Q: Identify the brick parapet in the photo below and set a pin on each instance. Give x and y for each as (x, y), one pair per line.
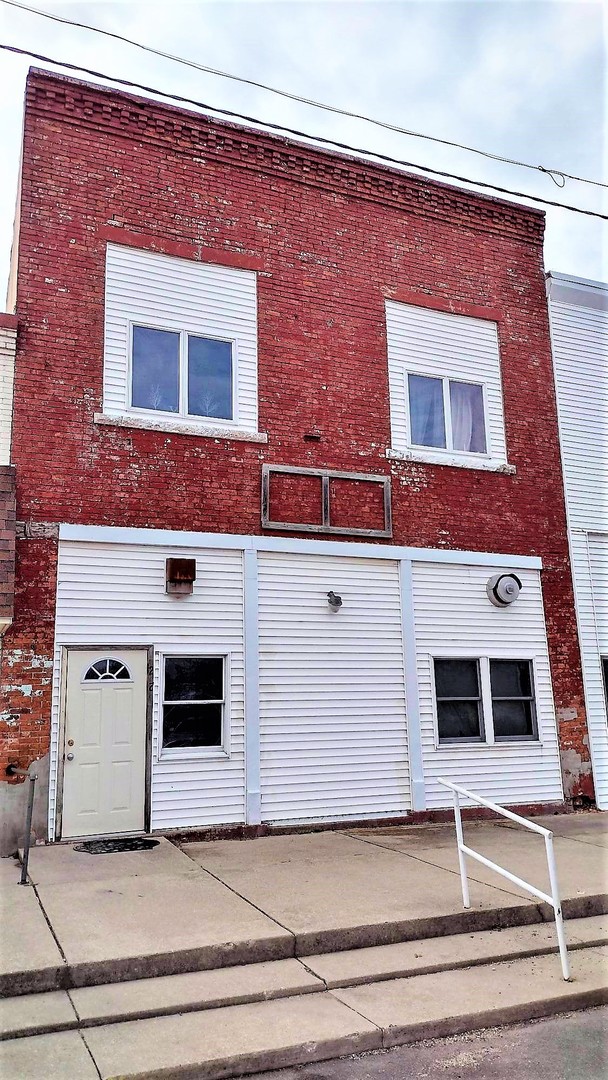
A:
(170, 128)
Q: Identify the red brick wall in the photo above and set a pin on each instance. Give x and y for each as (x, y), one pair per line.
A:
(331, 239)
(7, 541)
(27, 656)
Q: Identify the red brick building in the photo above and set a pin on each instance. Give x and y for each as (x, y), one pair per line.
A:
(199, 307)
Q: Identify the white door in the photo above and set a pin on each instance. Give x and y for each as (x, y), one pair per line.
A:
(105, 743)
(333, 737)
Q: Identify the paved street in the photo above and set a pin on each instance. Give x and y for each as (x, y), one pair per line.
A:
(570, 1047)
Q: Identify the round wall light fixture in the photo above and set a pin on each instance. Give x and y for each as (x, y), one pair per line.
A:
(503, 589)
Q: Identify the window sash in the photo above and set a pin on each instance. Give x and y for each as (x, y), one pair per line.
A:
(220, 748)
(183, 377)
(531, 698)
(448, 424)
(486, 699)
(453, 699)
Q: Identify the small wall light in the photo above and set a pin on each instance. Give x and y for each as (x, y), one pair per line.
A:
(180, 576)
(334, 601)
(503, 589)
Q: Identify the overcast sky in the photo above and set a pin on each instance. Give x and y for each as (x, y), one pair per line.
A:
(525, 79)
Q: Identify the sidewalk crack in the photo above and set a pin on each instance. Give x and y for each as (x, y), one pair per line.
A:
(90, 1053)
(311, 972)
(50, 926)
(246, 900)
(361, 1015)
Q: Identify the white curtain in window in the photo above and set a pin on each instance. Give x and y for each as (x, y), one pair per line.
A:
(466, 401)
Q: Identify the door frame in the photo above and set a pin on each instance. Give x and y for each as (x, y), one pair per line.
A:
(63, 701)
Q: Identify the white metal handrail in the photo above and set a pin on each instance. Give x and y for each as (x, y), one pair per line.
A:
(463, 850)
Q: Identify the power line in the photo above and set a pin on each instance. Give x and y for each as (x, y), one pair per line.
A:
(299, 134)
(556, 175)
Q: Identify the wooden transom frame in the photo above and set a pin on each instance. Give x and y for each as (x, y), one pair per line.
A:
(325, 476)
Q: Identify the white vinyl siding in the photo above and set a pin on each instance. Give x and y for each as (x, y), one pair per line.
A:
(455, 619)
(167, 293)
(579, 331)
(332, 694)
(440, 345)
(580, 349)
(328, 735)
(111, 594)
(8, 345)
(592, 603)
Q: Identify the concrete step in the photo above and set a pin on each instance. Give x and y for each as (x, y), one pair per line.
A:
(37, 1014)
(233, 1040)
(227, 931)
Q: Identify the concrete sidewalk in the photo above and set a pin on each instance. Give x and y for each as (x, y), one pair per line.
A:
(231, 957)
(88, 919)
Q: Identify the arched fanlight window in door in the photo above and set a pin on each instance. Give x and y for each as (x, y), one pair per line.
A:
(107, 669)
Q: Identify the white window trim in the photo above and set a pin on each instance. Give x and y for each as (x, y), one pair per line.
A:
(183, 414)
(448, 450)
(108, 655)
(153, 421)
(488, 740)
(174, 753)
(217, 302)
(435, 456)
(401, 364)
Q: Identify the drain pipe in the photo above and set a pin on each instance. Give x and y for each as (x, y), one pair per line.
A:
(12, 770)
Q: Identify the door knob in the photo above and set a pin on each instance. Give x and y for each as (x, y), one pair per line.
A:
(69, 757)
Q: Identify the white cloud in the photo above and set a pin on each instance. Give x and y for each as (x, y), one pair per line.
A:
(523, 78)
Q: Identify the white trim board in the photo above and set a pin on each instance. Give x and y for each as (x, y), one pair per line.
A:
(109, 534)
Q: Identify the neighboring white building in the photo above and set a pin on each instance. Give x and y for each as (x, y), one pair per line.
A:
(579, 328)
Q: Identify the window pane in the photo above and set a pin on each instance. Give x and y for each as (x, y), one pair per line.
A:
(456, 678)
(512, 719)
(155, 376)
(458, 719)
(510, 678)
(426, 411)
(194, 678)
(466, 404)
(210, 378)
(192, 725)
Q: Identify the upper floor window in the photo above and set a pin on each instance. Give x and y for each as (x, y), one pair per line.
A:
(181, 373)
(180, 343)
(445, 388)
(446, 413)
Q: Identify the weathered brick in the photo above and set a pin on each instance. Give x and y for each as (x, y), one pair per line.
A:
(330, 238)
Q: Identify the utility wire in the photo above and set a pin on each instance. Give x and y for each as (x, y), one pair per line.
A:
(293, 131)
(558, 176)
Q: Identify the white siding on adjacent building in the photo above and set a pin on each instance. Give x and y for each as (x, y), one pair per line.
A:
(332, 695)
(454, 618)
(110, 594)
(179, 294)
(8, 344)
(598, 557)
(579, 331)
(580, 348)
(426, 342)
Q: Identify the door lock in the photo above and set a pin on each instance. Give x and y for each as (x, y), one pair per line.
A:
(69, 757)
